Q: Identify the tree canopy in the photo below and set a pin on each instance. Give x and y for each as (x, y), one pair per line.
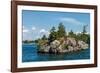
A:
(57, 33)
(52, 35)
(61, 30)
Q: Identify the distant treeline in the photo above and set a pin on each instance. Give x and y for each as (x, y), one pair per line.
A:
(27, 41)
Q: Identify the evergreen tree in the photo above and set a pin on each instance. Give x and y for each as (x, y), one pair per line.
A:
(52, 35)
(84, 29)
(71, 34)
(44, 37)
(61, 30)
(85, 37)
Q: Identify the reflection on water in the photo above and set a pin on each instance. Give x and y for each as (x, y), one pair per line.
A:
(29, 54)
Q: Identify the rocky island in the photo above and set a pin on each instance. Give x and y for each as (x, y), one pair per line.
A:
(59, 41)
(68, 45)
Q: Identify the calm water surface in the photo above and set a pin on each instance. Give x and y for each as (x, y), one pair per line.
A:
(29, 54)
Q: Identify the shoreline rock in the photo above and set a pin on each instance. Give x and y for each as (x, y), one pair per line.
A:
(68, 45)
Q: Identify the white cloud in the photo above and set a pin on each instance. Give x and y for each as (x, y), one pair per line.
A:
(44, 31)
(77, 32)
(72, 21)
(25, 30)
(33, 28)
(80, 33)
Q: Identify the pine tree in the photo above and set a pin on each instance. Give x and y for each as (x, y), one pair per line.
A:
(85, 37)
(61, 30)
(71, 34)
(52, 35)
(84, 29)
(44, 37)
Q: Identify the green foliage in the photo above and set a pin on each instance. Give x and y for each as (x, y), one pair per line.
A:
(44, 37)
(61, 30)
(88, 39)
(71, 34)
(61, 33)
(84, 29)
(36, 41)
(81, 36)
(41, 42)
(52, 30)
(27, 41)
(52, 35)
(85, 38)
(57, 34)
(65, 46)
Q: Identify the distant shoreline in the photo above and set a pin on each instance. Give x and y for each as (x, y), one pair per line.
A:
(29, 43)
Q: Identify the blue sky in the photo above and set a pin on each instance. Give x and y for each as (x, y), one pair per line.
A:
(38, 23)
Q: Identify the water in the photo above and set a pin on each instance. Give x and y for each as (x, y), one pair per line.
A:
(29, 54)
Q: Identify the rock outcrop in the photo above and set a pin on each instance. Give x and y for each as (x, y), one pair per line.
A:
(68, 45)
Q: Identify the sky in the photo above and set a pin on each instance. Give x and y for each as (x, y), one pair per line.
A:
(37, 23)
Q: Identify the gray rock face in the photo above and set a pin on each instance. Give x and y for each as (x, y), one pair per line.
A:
(68, 45)
(71, 41)
(55, 44)
(82, 44)
(44, 49)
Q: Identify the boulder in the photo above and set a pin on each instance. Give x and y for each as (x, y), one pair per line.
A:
(54, 44)
(44, 49)
(82, 45)
(71, 41)
(57, 47)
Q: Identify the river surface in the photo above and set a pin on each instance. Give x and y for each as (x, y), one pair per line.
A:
(29, 54)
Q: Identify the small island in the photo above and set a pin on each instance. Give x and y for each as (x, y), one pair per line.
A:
(59, 41)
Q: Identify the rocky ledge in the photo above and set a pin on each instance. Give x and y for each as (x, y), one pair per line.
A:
(63, 46)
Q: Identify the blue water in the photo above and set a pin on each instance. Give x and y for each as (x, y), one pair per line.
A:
(29, 54)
